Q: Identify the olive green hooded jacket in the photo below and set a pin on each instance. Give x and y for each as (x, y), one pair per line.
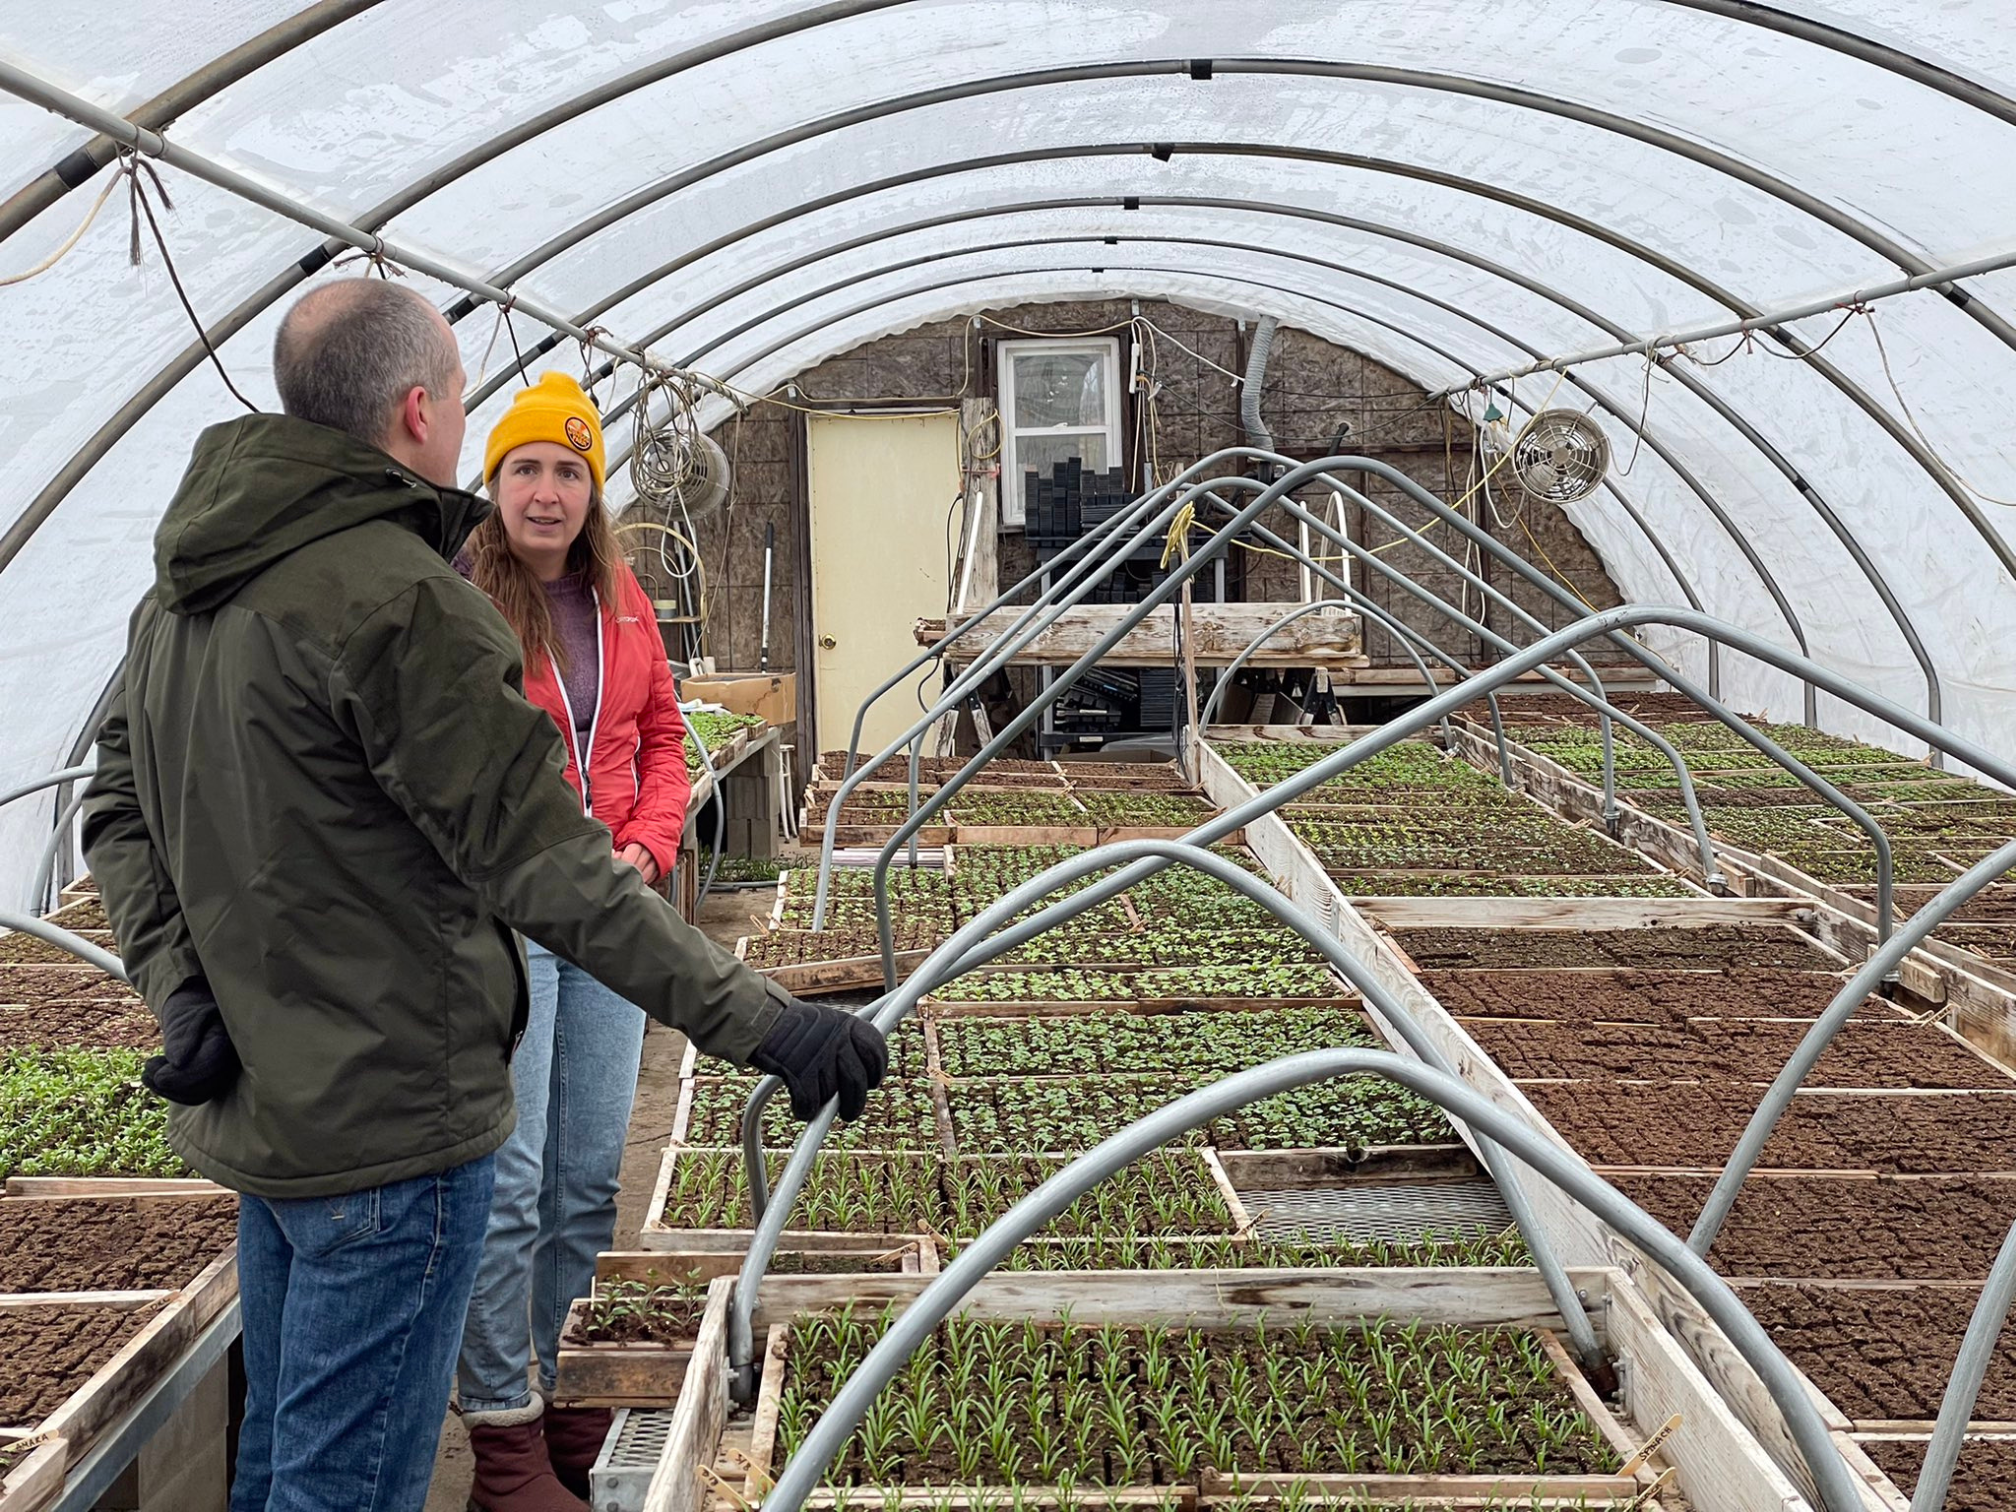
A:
(322, 790)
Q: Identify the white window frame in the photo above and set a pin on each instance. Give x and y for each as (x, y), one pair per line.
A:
(1107, 349)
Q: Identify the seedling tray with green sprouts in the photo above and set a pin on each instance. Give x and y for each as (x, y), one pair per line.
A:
(627, 1344)
(1107, 1042)
(1011, 991)
(903, 1114)
(1473, 884)
(704, 1193)
(1293, 1389)
(1072, 1114)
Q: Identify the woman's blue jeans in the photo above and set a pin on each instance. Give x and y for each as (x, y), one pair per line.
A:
(554, 1210)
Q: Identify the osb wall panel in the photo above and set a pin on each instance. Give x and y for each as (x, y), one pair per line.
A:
(1317, 398)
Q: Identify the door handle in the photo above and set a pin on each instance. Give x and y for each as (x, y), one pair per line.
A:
(827, 643)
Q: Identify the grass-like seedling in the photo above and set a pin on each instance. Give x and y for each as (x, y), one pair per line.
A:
(1073, 1114)
(1011, 1405)
(1477, 1248)
(636, 1312)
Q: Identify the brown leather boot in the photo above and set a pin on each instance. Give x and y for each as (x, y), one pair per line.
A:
(513, 1470)
(574, 1438)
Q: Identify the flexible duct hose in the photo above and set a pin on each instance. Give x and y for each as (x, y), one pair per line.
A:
(1249, 390)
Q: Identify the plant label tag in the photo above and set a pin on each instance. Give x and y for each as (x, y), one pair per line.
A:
(1651, 1447)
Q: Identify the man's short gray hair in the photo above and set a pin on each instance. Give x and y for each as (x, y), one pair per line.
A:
(347, 353)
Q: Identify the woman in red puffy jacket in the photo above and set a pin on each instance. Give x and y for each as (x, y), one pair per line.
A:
(594, 661)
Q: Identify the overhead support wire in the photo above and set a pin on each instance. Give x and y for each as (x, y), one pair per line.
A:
(376, 248)
(1674, 342)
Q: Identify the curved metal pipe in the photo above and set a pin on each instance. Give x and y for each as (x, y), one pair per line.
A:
(1970, 1369)
(63, 939)
(1069, 589)
(45, 864)
(971, 944)
(1881, 963)
(38, 784)
(1824, 1462)
(1711, 874)
(1689, 380)
(1681, 683)
(1246, 653)
(1620, 412)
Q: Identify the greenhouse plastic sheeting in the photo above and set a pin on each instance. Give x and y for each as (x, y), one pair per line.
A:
(1446, 185)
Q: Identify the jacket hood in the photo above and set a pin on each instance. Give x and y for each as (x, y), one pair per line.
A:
(263, 486)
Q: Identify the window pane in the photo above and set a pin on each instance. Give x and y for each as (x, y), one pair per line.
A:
(1045, 452)
(1062, 388)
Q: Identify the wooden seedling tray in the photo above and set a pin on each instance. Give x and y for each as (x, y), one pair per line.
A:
(914, 1257)
(844, 974)
(657, 1235)
(617, 1375)
(37, 1477)
(1201, 1299)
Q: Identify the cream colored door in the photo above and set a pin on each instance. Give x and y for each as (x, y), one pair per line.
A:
(880, 492)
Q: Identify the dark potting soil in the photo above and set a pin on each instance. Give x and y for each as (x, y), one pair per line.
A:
(1883, 1353)
(110, 1243)
(798, 947)
(1617, 1123)
(1983, 1481)
(1995, 941)
(84, 1023)
(1716, 946)
(27, 947)
(1994, 904)
(51, 1351)
(33, 983)
(1929, 1228)
(86, 913)
(1528, 709)
(1665, 998)
(1885, 1052)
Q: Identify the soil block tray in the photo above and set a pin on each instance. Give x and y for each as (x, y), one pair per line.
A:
(1925, 1228)
(1713, 947)
(77, 1023)
(113, 1243)
(1983, 1481)
(1037, 989)
(52, 1351)
(1883, 1351)
(1890, 1053)
(840, 1257)
(1697, 1125)
(1663, 999)
(1250, 1390)
(32, 948)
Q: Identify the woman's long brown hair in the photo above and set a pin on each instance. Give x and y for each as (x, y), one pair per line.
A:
(518, 593)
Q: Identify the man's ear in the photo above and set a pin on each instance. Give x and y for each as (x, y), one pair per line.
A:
(416, 417)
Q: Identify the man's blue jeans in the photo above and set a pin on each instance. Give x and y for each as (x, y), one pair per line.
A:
(574, 1076)
(353, 1310)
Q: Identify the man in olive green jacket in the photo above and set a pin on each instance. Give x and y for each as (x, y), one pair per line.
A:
(322, 808)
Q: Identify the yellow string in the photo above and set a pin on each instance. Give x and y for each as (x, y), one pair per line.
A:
(1178, 540)
(1566, 581)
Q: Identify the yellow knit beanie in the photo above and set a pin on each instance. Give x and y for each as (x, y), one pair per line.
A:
(554, 409)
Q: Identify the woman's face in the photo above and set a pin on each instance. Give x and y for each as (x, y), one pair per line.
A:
(544, 493)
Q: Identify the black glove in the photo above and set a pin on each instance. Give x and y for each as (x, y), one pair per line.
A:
(201, 1062)
(821, 1052)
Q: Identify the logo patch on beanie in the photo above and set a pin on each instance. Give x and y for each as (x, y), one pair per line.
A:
(578, 435)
